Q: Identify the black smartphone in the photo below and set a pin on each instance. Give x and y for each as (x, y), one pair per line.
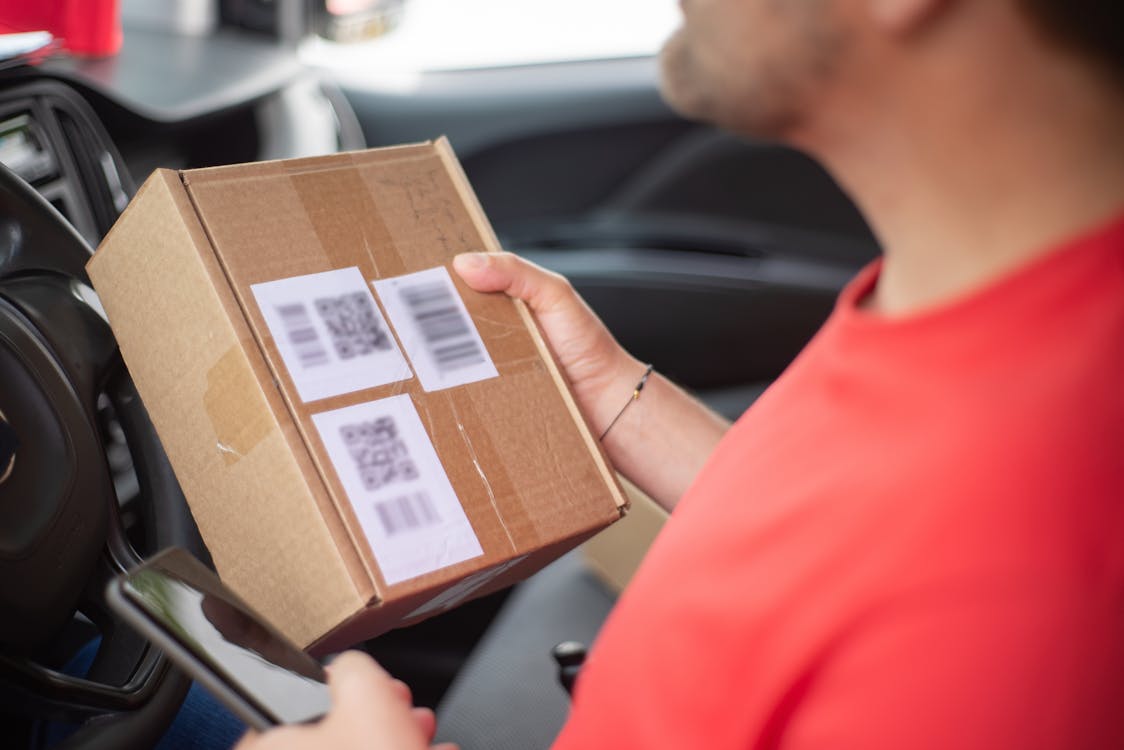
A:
(183, 608)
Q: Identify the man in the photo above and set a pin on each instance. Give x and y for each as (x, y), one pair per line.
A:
(916, 537)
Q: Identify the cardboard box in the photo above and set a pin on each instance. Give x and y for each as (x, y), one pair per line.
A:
(615, 555)
(362, 447)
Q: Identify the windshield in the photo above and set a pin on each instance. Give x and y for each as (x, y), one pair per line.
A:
(454, 34)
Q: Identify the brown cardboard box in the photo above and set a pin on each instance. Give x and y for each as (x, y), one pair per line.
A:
(361, 447)
(615, 555)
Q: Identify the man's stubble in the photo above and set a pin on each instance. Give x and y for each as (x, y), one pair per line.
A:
(754, 67)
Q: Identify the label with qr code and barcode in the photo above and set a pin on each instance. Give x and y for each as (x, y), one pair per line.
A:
(435, 329)
(397, 486)
(330, 333)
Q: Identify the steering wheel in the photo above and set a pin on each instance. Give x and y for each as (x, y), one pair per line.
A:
(63, 530)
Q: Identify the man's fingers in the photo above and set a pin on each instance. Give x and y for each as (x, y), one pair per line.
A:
(288, 737)
(250, 740)
(367, 700)
(481, 272)
(504, 272)
(353, 676)
(403, 691)
(426, 721)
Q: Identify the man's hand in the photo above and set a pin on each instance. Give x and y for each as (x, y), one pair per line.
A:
(600, 372)
(370, 710)
(662, 441)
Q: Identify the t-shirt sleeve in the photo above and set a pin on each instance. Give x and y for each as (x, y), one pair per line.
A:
(998, 667)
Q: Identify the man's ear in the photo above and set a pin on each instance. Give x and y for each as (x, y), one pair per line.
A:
(903, 16)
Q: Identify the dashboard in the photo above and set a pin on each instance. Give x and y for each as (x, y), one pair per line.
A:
(85, 132)
(51, 139)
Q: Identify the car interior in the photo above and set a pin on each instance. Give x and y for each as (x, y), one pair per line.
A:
(712, 257)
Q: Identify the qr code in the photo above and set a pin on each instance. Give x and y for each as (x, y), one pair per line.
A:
(407, 513)
(353, 325)
(446, 329)
(380, 455)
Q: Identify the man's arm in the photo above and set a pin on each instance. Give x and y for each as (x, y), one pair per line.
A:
(662, 440)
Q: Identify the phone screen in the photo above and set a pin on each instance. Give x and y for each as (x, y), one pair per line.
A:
(196, 610)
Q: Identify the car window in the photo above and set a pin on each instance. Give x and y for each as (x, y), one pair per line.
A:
(455, 34)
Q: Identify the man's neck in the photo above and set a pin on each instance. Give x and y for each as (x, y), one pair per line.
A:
(966, 190)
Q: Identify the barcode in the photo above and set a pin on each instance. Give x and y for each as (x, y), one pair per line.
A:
(407, 513)
(404, 502)
(303, 336)
(352, 324)
(445, 330)
(380, 455)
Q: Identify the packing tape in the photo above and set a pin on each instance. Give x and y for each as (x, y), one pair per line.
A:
(490, 467)
(394, 228)
(340, 240)
(237, 431)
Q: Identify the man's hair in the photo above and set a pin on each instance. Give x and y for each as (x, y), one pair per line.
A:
(1092, 28)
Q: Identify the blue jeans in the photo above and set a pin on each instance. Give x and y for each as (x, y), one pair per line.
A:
(201, 724)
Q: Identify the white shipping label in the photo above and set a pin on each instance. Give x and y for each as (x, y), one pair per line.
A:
(435, 329)
(330, 333)
(397, 486)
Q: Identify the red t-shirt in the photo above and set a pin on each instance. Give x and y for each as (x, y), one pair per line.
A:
(914, 539)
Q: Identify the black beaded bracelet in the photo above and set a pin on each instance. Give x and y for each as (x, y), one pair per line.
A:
(635, 395)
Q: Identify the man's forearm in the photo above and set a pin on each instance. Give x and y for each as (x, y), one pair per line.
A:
(662, 440)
